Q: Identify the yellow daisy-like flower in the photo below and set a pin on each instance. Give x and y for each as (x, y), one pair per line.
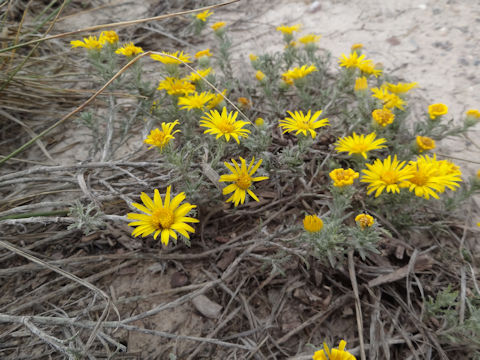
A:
(201, 53)
(312, 223)
(389, 99)
(174, 86)
(383, 117)
(309, 39)
(436, 110)
(357, 46)
(194, 77)
(218, 25)
(108, 36)
(224, 124)
(90, 43)
(129, 50)
(400, 87)
(204, 15)
(474, 113)
(386, 175)
(359, 144)
(253, 57)
(288, 29)
(361, 84)
(301, 123)
(425, 143)
(335, 354)
(259, 75)
(160, 138)
(367, 67)
(364, 220)
(217, 99)
(342, 177)
(242, 179)
(298, 73)
(195, 100)
(165, 218)
(259, 122)
(353, 60)
(167, 59)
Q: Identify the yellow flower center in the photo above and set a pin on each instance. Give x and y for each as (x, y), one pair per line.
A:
(226, 127)
(359, 148)
(163, 218)
(389, 177)
(427, 142)
(244, 181)
(419, 179)
(158, 137)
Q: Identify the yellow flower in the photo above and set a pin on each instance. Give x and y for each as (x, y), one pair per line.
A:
(353, 60)
(204, 15)
(259, 75)
(473, 113)
(383, 117)
(201, 53)
(288, 29)
(335, 354)
(400, 87)
(369, 68)
(357, 46)
(165, 218)
(253, 57)
(387, 175)
(218, 25)
(260, 122)
(425, 143)
(224, 124)
(342, 177)
(431, 176)
(244, 102)
(478, 174)
(160, 138)
(108, 36)
(129, 50)
(364, 220)
(216, 99)
(312, 223)
(90, 43)
(359, 144)
(195, 101)
(302, 123)
(309, 39)
(167, 59)
(194, 77)
(298, 73)
(174, 86)
(361, 83)
(389, 100)
(436, 110)
(242, 179)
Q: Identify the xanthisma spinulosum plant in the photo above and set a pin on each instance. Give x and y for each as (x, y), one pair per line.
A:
(339, 139)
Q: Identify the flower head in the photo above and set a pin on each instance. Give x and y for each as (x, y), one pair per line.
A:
(361, 84)
(401, 88)
(90, 43)
(195, 100)
(301, 123)
(165, 218)
(197, 76)
(253, 57)
(353, 60)
(224, 124)
(389, 99)
(242, 178)
(169, 58)
(201, 53)
(244, 102)
(367, 67)
(386, 175)
(174, 86)
(216, 99)
(309, 39)
(473, 113)
(129, 50)
(359, 144)
(298, 73)
(342, 177)
(108, 36)
(364, 220)
(259, 122)
(160, 138)
(204, 15)
(335, 354)
(288, 29)
(218, 25)
(383, 117)
(259, 75)
(357, 46)
(436, 110)
(425, 143)
(312, 223)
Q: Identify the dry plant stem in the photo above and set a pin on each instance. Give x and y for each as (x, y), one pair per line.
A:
(117, 24)
(358, 307)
